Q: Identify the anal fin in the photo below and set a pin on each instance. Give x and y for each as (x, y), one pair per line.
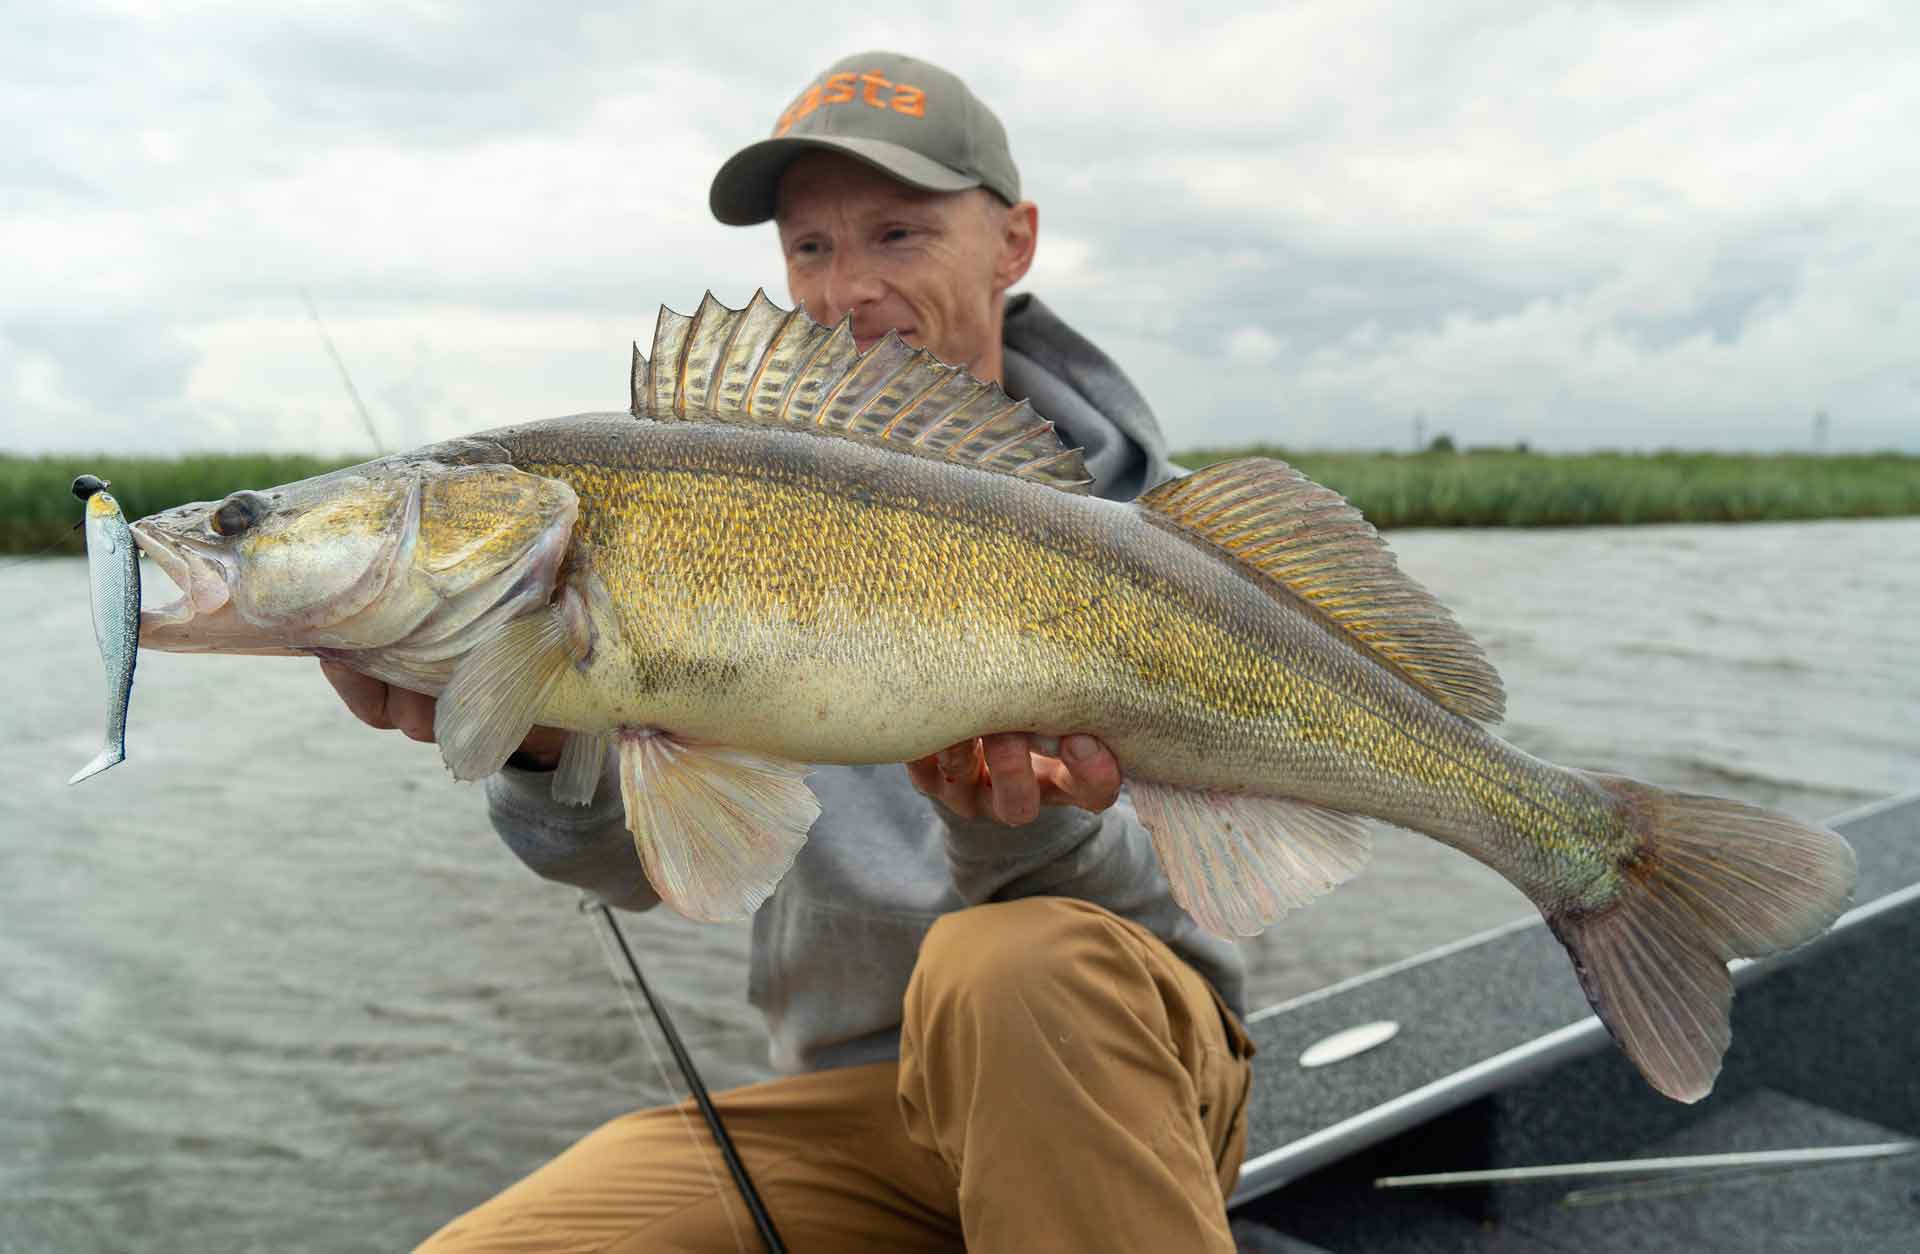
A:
(716, 827)
(1236, 863)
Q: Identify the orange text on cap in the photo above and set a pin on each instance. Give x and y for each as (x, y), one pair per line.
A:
(850, 88)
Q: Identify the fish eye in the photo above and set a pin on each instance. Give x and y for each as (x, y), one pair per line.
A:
(237, 513)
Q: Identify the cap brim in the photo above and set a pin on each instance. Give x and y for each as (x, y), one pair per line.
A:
(745, 191)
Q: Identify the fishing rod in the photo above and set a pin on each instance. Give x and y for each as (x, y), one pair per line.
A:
(762, 1220)
(360, 406)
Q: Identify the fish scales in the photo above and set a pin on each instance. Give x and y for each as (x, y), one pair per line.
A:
(791, 552)
(801, 573)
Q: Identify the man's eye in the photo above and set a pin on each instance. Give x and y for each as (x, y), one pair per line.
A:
(895, 234)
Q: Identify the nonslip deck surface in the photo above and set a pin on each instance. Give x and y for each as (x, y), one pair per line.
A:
(1498, 1061)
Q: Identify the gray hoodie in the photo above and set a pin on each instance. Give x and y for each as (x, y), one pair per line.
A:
(834, 946)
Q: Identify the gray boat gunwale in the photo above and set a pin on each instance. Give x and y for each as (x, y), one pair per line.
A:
(1272, 1169)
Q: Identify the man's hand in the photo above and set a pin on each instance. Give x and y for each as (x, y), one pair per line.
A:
(389, 708)
(1006, 778)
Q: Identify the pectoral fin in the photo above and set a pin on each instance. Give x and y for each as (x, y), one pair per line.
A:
(581, 761)
(1237, 863)
(716, 828)
(496, 691)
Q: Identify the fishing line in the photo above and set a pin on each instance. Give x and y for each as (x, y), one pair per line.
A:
(366, 419)
(612, 939)
(42, 552)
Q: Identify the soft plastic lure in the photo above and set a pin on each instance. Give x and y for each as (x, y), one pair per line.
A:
(114, 565)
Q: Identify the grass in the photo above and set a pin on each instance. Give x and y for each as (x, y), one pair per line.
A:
(37, 508)
(1478, 488)
(1500, 488)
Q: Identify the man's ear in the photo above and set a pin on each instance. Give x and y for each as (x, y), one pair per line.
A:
(1019, 234)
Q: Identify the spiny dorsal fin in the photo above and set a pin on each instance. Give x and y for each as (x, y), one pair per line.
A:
(766, 366)
(1312, 542)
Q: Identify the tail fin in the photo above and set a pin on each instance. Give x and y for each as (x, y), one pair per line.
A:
(1714, 880)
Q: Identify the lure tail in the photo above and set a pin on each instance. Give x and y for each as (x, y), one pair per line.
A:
(1713, 880)
(111, 755)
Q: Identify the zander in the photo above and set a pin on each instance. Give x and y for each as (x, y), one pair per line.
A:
(789, 552)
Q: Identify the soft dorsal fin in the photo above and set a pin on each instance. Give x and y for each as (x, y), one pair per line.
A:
(767, 366)
(1309, 540)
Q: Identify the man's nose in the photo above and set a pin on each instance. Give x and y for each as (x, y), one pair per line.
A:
(851, 282)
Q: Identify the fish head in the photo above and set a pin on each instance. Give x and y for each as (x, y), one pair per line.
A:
(371, 557)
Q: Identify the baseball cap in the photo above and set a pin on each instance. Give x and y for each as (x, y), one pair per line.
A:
(899, 114)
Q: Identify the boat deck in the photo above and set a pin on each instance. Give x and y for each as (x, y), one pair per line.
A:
(1498, 1062)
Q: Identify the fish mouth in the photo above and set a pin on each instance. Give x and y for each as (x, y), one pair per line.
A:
(200, 578)
(192, 622)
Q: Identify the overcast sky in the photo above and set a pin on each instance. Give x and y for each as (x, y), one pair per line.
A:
(1578, 225)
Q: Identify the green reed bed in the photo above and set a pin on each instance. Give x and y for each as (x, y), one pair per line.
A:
(1479, 488)
(37, 507)
(1516, 489)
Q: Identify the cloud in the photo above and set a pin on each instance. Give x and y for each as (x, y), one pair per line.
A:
(1253, 346)
(1599, 224)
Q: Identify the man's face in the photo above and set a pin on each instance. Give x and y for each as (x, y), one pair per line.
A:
(931, 265)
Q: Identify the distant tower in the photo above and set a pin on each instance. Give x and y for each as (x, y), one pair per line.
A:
(1420, 432)
(1820, 432)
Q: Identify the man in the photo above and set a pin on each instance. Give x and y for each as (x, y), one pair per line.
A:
(1000, 1031)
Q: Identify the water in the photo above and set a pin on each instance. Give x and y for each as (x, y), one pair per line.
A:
(273, 983)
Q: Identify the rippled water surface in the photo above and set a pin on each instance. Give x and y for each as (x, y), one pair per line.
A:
(273, 983)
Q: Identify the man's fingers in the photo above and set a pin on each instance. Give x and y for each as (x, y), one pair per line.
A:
(382, 705)
(365, 696)
(925, 774)
(543, 744)
(929, 776)
(960, 764)
(1092, 775)
(412, 713)
(1016, 793)
(1008, 778)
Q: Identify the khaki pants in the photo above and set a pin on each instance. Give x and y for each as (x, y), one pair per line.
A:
(1065, 1083)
